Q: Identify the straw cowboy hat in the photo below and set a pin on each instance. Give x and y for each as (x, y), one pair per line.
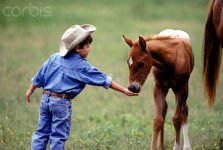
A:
(74, 36)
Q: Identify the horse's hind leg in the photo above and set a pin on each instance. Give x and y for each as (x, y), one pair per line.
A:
(159, 118)
(177, 122)
(180, 117)
(185, 128)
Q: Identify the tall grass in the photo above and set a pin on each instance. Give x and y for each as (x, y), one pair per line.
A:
(102, 119)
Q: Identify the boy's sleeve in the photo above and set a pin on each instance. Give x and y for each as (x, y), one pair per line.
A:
(38, 79)
(93, 76)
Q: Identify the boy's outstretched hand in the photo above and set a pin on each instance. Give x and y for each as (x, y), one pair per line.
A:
(117, 87)
(130, 93)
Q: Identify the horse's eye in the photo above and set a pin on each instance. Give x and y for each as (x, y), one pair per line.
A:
(141, 64)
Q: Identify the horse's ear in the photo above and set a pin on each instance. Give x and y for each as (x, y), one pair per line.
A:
(128, 41)
(142, 43)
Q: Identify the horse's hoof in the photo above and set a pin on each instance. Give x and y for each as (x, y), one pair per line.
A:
(161, 148)
(176, 148)
(187, 147)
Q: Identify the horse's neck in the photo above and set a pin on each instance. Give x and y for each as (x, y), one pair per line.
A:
(161, 53)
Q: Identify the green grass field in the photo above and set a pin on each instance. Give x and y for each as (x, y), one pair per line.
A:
(102, 119)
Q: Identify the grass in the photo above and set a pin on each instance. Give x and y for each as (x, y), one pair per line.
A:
(102, 119)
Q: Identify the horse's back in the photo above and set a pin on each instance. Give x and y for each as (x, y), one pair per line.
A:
(181, 61)
(177, 33)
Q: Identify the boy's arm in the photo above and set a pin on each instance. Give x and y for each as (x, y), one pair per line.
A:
(117, 87)
(30, 92)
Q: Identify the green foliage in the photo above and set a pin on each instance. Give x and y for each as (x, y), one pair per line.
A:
(30, 33)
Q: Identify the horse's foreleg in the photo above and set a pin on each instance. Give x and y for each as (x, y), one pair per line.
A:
(158, 123)
(159, 119)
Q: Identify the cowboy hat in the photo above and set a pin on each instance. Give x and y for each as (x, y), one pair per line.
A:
(74, 36)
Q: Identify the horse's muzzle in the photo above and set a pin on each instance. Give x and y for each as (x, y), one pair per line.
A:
(135, 88)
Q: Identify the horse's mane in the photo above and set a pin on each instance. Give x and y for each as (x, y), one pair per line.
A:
(157, 37)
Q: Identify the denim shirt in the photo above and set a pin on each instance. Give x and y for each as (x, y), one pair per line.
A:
(69, 75)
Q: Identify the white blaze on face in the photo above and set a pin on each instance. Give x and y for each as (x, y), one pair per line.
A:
(130, 61)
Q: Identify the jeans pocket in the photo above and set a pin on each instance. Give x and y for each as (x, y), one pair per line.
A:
(60, 109)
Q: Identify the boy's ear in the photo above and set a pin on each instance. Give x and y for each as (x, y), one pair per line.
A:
(77, 49)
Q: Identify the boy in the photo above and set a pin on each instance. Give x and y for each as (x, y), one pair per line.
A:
(62, 77)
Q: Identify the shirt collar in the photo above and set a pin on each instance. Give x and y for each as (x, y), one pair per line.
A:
(76, 56)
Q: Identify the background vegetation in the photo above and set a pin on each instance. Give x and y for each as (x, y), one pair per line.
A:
(30, 32)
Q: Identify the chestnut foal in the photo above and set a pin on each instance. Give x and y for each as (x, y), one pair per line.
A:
(169, 55)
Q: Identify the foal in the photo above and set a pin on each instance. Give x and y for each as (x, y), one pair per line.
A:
(171, 59)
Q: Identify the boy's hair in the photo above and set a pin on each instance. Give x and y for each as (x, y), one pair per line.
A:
(88, 40)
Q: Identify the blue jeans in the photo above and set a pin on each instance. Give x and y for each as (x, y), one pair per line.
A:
(54, 123)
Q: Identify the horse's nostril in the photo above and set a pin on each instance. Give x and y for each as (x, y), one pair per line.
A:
(135, 88)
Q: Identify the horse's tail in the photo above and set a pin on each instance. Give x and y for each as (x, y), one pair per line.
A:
(211, 59)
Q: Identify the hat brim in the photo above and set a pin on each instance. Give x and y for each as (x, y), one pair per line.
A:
(64, 50)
